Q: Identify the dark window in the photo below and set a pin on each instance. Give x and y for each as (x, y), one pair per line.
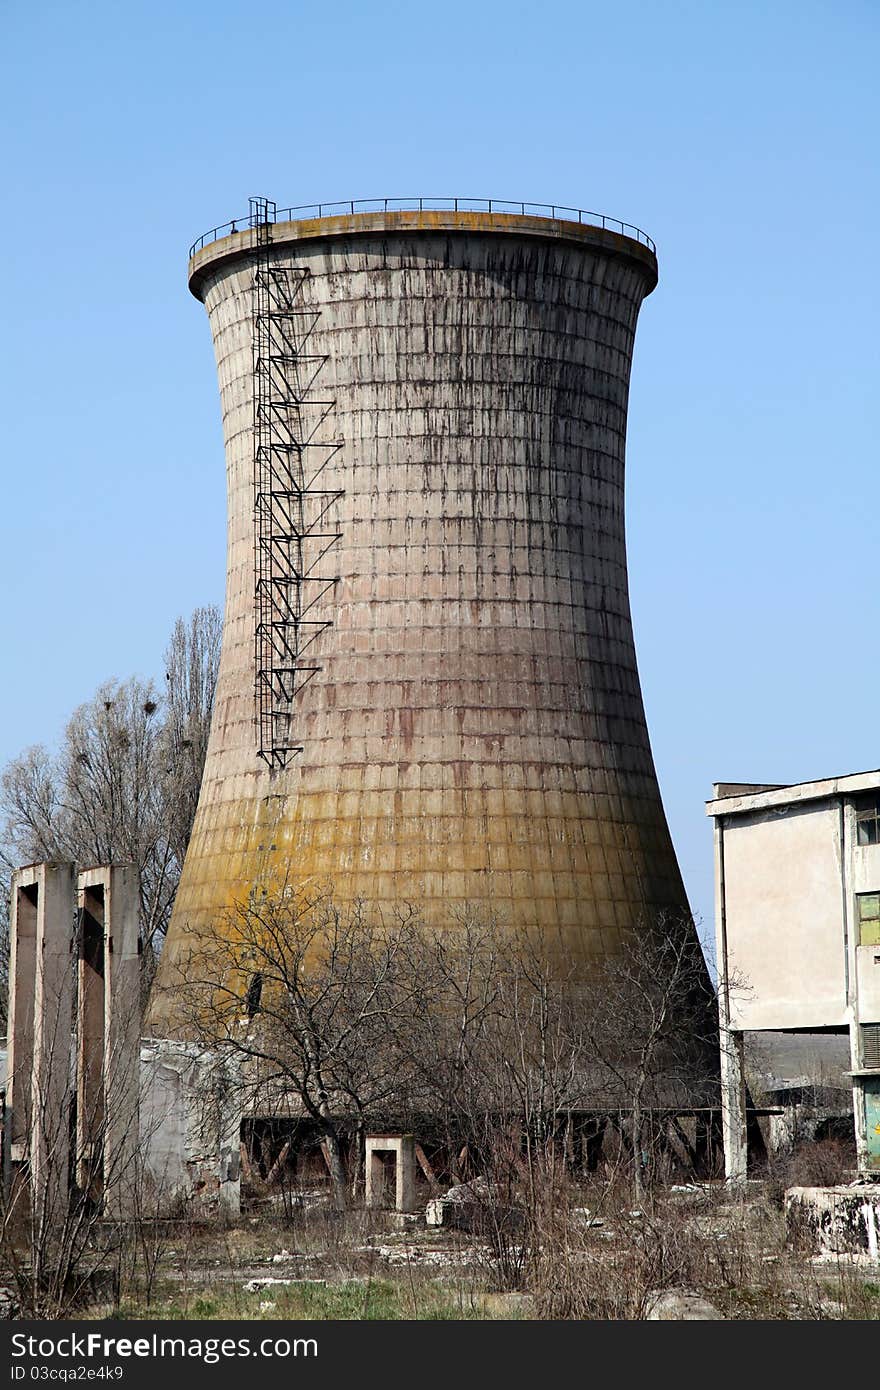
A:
(868, 822)
(868, 905)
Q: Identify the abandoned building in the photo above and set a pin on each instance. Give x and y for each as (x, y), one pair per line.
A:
(428, 692)
(428, 696)
(797, 912)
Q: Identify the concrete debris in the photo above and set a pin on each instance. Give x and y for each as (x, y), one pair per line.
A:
(841, 1259)
(841, 1220)
(458, 1207)
(438, 1212)
(507, 1306)
(689, 1193)
(585, 1217)
(832, 1308)
(473, 1206)
(478, 1190)
(257, 1285)
(413, 1254)
(405, 1220)
(680, 1305)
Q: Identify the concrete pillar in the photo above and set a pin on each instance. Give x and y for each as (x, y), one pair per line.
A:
(108, 1035)
(733, 1085)
(733, 1107)
(866, 1106)
(862, 1096)
(403, 1147)
(20, 1014)
(89, 1039)
(374, 1193)
(39, 1032)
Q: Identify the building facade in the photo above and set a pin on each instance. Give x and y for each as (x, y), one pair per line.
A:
(797, 912)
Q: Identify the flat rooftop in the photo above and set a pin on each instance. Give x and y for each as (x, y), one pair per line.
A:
(732, 798)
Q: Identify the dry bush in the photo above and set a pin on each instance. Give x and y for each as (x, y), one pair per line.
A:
(732, 1252)
(607, 1271)
(823, 1163)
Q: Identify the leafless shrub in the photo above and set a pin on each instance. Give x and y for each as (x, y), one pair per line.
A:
(819, 1163)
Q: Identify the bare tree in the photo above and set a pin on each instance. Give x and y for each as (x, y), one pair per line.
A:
(651, 1029)
(448, 1033)
(191, 662)
(498, 1036)
(124, 784)
(302, 995)
(487, 1040)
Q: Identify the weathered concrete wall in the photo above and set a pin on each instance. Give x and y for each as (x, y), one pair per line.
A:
(39, 1031)
(836, 1220)
(789, 872)
(476, 731)
(190, 1124)
(188, 1132)
(108, 1035)
(784, 917)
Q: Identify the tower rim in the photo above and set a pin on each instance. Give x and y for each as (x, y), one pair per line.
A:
(226, 243)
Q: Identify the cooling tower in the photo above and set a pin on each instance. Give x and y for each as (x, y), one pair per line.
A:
(428, 690)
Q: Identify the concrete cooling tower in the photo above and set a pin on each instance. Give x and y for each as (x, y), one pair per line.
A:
(428, 690)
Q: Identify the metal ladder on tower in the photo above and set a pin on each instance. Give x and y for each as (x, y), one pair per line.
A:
(293, 527)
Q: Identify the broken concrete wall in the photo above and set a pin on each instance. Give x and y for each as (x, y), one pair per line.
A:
(190, 1128)
(190, 1123)
(190, 1118)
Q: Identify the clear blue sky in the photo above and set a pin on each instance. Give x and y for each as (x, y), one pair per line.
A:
(742, 136)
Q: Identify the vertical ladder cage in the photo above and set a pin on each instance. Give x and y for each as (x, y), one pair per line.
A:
(293, 530)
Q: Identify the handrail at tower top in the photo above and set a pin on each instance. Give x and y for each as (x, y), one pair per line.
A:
(350, 207)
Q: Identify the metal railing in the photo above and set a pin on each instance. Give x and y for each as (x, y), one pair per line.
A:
(351, 206)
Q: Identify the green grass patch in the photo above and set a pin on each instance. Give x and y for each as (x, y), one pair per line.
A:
(381, 1300)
